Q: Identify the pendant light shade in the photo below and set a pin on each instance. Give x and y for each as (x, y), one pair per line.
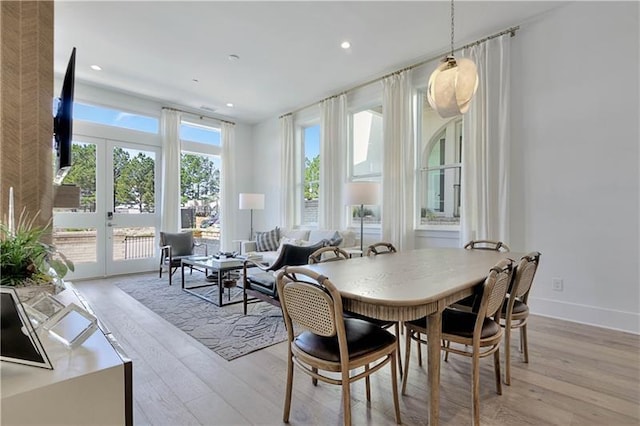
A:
(453, 84)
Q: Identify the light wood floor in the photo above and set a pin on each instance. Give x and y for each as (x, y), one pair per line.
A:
(577, 375)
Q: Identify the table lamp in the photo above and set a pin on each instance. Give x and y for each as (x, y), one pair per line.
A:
(251, 202)
(362, 193)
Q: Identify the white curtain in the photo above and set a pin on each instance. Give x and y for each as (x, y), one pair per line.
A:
(228, 195)
(333, 142)
(485, 160)
(170, 135)
(398, 165)
(287, 174)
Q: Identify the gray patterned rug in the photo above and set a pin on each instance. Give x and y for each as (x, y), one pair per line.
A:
(224, 330)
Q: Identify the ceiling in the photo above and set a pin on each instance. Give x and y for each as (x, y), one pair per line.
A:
(177, 52)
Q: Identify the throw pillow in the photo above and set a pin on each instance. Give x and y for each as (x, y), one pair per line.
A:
(268, 241)
(336, 240)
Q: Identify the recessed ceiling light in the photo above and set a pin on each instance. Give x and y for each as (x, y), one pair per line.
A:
(96, 67)
(229, 104)
(345, 45)
(234, 57)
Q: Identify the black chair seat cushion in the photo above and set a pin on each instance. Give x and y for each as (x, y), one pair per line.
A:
(375, 321)
(461, 323)
(362, 337)
(263, 282)
(518, 307)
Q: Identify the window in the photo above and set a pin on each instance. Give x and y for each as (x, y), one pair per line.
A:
(116, 118)
(440, 169)
(199, 133)
(200, 191)
(311, 173)
(366, 158)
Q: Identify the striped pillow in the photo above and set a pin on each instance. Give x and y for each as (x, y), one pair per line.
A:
(268, 241)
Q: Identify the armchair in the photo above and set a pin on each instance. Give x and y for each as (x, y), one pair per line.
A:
(173, 248)
(259, 281)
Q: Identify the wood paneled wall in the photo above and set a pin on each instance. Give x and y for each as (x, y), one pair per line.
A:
(26, 93)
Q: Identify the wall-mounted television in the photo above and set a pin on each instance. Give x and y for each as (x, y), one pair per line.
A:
(63, 123)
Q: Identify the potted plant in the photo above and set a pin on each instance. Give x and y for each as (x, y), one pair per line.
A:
(25, 260)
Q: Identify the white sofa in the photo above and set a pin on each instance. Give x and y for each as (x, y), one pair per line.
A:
(301, 237)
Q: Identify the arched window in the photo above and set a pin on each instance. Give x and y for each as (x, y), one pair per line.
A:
(440, 173)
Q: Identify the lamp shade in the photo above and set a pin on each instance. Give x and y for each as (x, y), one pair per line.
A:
(251, 201)
(452, 86)
(366, 193)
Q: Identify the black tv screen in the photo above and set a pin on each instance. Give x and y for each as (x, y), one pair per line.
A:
(63, 123)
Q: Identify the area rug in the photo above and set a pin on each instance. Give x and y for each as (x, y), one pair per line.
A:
(225, 330)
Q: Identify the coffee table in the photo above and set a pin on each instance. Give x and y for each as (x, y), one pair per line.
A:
(220, 266)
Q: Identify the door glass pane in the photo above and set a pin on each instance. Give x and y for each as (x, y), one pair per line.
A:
(82, 174)
(133, 181)
(79, 245)
(133, 242)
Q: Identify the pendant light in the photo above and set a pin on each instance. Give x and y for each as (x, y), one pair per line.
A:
(453, 84)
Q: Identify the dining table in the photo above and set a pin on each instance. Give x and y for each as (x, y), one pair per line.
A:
(412, 284)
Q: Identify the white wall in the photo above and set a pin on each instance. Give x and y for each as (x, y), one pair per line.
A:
(575, 182)
(575, 159)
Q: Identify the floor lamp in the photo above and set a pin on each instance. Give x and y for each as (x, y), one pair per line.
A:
(363, 194)
(251, 202)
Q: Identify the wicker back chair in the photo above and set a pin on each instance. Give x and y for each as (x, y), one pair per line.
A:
(515, 311)
(487, 245)
(380, 248)
(330, 342)
(328, 254)
(477, 334)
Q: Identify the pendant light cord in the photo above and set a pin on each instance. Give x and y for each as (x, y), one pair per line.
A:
(452, 26)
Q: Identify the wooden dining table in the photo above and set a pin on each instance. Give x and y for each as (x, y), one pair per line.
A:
(411, 284)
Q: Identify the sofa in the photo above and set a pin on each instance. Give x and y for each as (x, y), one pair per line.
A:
(301, 237)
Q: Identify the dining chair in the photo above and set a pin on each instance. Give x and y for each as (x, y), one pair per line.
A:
(381, 247)
(329, 342)
(487, 245)
(471, 302)
(328, 254)
(174, 247)
(478, 334)
(515, 310)
(375, 249)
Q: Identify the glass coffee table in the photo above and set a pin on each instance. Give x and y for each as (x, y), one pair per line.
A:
(221, 266)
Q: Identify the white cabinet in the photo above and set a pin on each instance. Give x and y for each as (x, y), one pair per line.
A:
(89, 385)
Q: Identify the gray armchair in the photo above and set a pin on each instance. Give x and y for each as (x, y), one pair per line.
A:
(173, 248)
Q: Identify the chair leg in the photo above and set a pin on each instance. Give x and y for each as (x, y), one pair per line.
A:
(367, 383)
(507, 354)
(525, 345)
(346, 397)
(398, 355)
(446, 343)
(287, 400)
(313, 379)
(496, 366)
(407, 356)
(475, 387)
(419, 350)
(244, 302)
(394, 384)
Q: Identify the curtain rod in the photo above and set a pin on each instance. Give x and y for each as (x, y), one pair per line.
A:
(511, 30)
(199, 115)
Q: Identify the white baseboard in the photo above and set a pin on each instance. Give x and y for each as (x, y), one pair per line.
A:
(584, 314)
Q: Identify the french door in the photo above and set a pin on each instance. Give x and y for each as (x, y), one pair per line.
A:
(114, 230)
